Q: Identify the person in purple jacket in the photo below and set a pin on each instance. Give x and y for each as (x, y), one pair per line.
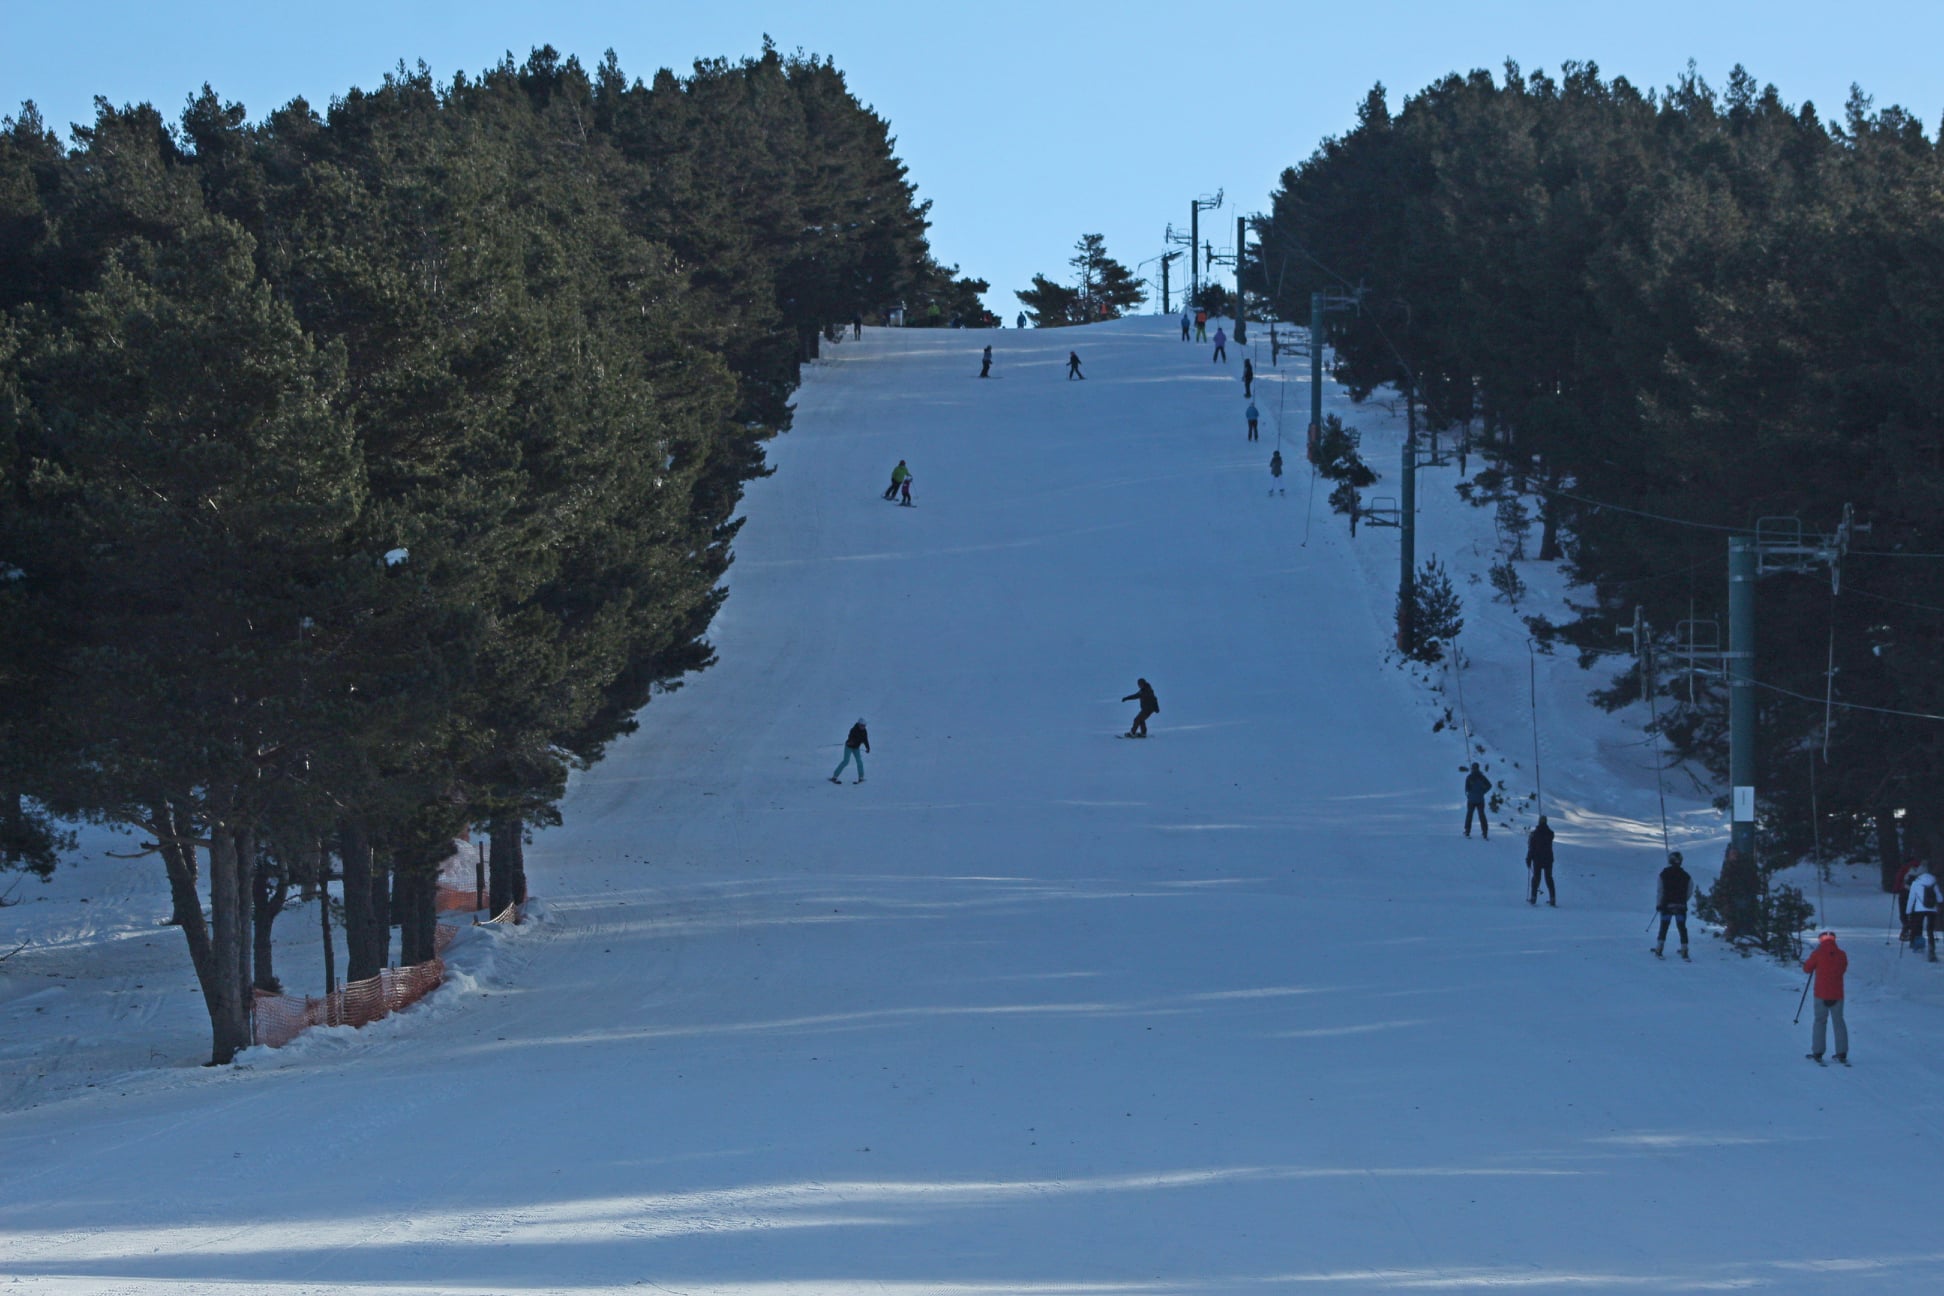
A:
(1221, 346)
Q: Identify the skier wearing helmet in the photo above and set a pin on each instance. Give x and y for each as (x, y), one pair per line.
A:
(1671, 901)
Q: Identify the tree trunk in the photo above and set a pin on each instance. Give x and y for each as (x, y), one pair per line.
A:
(1549, 516)
(272, 888)
(229, 1017)
(245, 864)
(174, 836)
(1888, 862)
(367, 928)
(405, 906)
(506, 882)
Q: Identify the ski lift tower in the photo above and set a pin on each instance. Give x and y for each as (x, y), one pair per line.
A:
(1195, 209)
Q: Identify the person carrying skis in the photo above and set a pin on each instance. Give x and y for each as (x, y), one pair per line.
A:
(899, 476)
(1477, 784)
(985, 363)
(1144, 694)
(1924, 901)
(859, 738)
(1248, 378)
(1201, 325)
(1671, 901)
(1827, 964)
(1221, 346)
(1275, 472)
(1539, 862)
(1252, 414)
(1073, 367)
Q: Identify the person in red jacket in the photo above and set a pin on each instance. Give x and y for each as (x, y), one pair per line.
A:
(1828, 963)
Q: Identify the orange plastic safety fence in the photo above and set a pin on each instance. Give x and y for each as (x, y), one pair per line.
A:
(279, 1019)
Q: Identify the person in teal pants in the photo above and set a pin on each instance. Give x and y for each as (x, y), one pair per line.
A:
(855, 746)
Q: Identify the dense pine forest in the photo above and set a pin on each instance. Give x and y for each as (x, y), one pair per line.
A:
(1663, 317)
(364, 471)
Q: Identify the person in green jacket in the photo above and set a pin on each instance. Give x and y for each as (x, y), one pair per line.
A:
(898, 477)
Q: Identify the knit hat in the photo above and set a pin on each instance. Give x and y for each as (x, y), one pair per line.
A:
(1827, 938)
(1674, 857)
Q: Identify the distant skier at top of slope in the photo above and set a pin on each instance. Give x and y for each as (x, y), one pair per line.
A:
(1144, 694)
(1477, 784)
(1073, 366)
(985, 362)
(1021, 321)
(1221, 346)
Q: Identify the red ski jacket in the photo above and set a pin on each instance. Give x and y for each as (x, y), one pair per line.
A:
(1829, 964)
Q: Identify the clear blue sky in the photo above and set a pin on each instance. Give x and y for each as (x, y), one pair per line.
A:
(1026, 124)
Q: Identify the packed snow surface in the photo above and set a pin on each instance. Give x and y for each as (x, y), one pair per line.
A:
(1035, 1008)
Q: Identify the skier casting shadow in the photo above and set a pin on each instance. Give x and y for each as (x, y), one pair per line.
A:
(858, 738)
(1144, 694)
(1073, 366)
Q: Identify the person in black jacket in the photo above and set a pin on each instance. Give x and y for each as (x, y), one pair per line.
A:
(1671, 901)
(859, 738)
(1073, 366)
(1144, 694)
(1248, 377)
(1477, 784)
(985, 364)
(1539, 861)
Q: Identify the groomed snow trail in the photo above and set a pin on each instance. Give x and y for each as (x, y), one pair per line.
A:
(1033, 1009)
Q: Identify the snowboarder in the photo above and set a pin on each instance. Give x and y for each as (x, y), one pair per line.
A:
(1144, 694)
(1252, 414)
(1924, 901)
(899, 476)
(1671, 901)
(1477, 784)
(1201, 325)
(1021, 321)
(1184, 326)
(858, 738)
(857, 325)
(1827, 964)
(1275, 473)
(904, 491)
(1539, 863)
(1221, 346)
(1073, 367)
(985, 363)
(1248, 378)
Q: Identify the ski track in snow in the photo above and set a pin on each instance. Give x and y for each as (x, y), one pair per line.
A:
(1234, 1009)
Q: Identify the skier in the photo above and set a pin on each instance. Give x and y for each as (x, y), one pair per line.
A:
(1221, 346)
(1201, 325)
(1477, 784)
(1828, 963)
(858, 738)
(1021, 321)
(1144, 694)
(899, 476)
(1671, 902)
(904, 489)
(985, 363)
(1924, 899)
(1248, 378)
(1912, 866)
(1184, 326)
(1275, 473)
(1539, 863)
(857, 325)
(1252, 414)
(1073, 367)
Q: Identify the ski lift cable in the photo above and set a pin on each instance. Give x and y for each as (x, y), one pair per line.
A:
(1660, 771)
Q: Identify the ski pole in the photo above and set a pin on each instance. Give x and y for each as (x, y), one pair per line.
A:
(1803, 1000)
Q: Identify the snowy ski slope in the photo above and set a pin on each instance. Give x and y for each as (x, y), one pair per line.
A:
(1033, 1009)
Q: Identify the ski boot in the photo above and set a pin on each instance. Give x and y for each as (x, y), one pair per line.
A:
(1684, 952)
(1657, 951)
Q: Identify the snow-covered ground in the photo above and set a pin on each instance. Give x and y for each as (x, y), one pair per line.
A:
(1034, 1009)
